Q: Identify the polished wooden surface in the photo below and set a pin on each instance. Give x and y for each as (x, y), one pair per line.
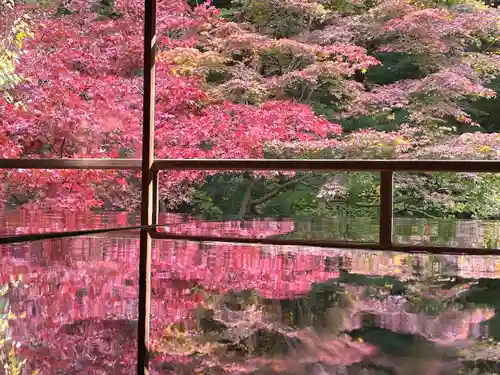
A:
(401, 248)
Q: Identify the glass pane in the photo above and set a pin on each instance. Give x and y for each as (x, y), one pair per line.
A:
(73, 200)
(336, 80)
(71, 79)
(70, 306)
(233, 309)
(447, 209)
(260, 204)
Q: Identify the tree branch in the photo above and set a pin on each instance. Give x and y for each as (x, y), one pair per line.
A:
(403, 200)
(16, 199)
(246, 199)
(310, 185)
(62, 147)
(278, 190)
(421, 212)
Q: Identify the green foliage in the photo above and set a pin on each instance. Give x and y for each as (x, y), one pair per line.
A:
(486, 111)
(227, 13)
(281, 19)
(374, 284)
(11, 46)
(298, 201)
(220, 196)
(394, 67)
(347, 7)
(452, 195)
(438, 195)
(426, 305)
(62, 10)
(321, 308)
(328, 98)
(9, 360)
(278, 60)
(487, 293)
(106, 9)
(205, 206)
(397, 344)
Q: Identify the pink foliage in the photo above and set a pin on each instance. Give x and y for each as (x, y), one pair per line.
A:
(83, 90)
(83, 98)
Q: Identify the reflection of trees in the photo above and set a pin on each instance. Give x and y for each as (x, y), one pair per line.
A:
(91, 346)
(482, 358)
(79, 288)
(235, 304)
(250, 333)
(328, 328)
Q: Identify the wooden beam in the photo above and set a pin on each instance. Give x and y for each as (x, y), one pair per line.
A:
(147, 195)
(326, 165)
(386, 217)
(70, 164)
(156, 197)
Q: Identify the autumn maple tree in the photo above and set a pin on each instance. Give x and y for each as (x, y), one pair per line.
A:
(252, 80)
